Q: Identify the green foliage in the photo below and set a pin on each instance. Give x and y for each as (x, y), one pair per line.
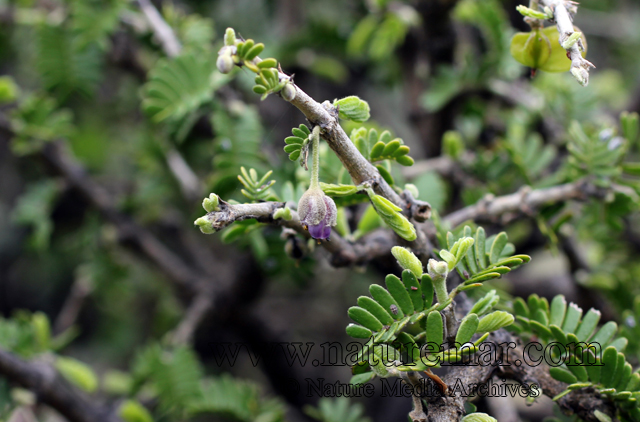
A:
(133, 411)
(478, 258)
(478, 417)
(336, 410)
(178, 87)
(352, 108)
(268, 81)
(407, 260)
(256, 188)
(237, 143)
(528, 153)
(377, 36)
(298, 144)
(78, 373)
(227, 396)
(9, 91)
(385, 317)
(505, 131)
(67, 64)
(540, 49)
(591, 356)
(381, 147)
(596, 154)
(393, 217)
(94, 21)
(194, 31)
(36, 121)
(178, 384)
(34, 209)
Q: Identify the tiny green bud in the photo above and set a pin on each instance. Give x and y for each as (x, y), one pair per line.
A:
(9, 91)
(437, 268)
(413, 189)
(581, 75)
(284, 213)
(230, 37)
(205, 225)
(131, 411)
(452, 144)
(211, 203)
(571, 40)
(288, 92)
(548, 13)
(225, 62)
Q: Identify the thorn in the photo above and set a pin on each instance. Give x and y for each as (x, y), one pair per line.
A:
(441, 384)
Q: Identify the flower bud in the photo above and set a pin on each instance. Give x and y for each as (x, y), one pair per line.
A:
(225, 61)
(288, 92)
(318, 213)
(230, 37)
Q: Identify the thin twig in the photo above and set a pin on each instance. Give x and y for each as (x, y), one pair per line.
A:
(163, 32)
(196, 312)
(189, 182)
(80, 290)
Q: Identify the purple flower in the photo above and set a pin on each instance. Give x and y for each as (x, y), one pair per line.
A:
(318, 213)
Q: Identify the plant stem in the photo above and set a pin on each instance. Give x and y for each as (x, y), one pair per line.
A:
(315, 168)
(440, 286)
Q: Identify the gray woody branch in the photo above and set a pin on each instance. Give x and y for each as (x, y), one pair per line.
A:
(51, 389)
(347, 253)
(343, 252)
(524, 201)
